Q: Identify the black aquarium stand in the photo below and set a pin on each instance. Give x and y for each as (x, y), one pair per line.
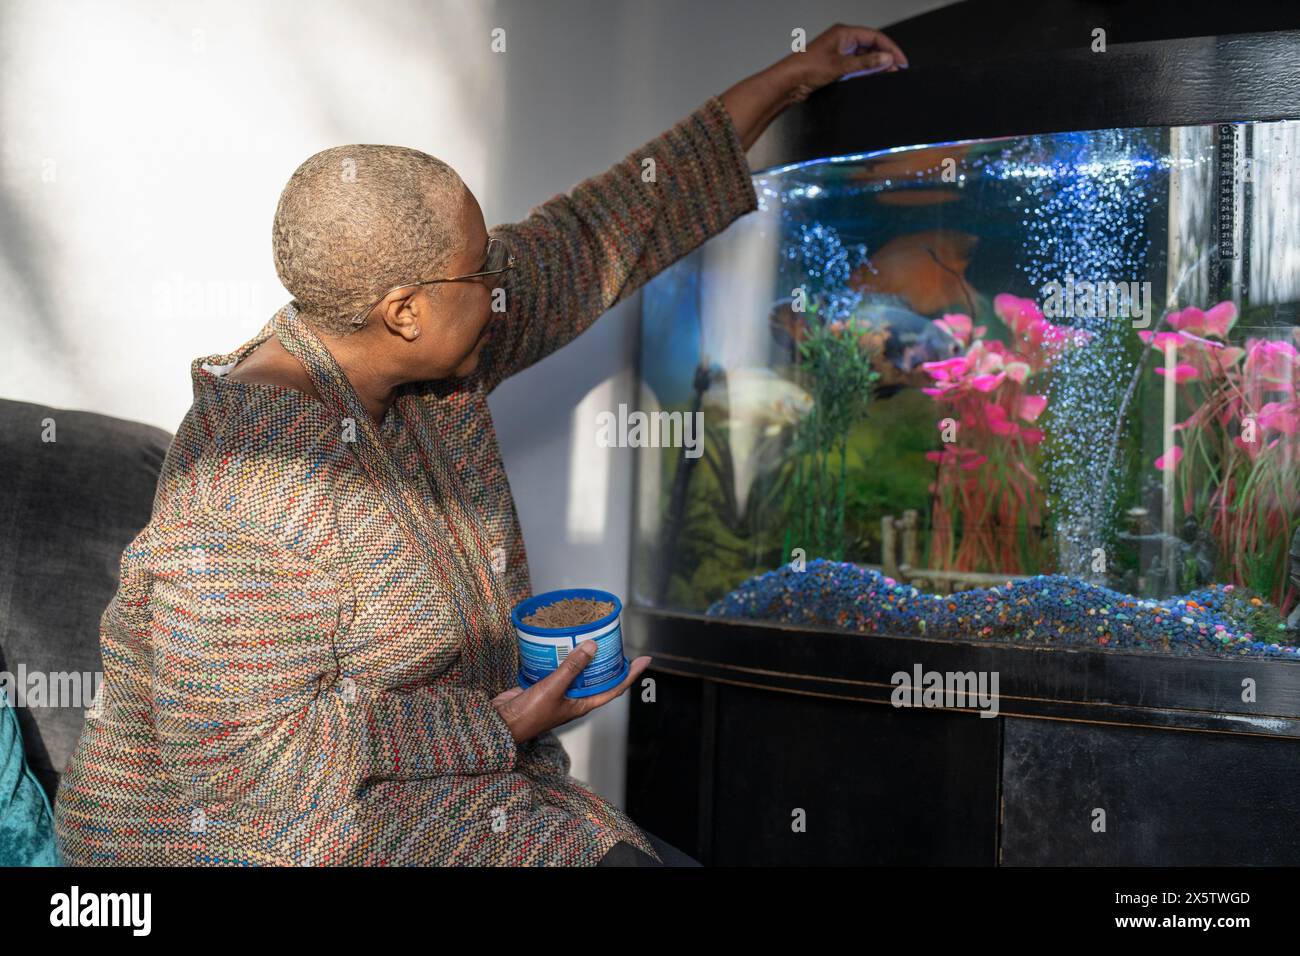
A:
(751, 723)
(754, 725)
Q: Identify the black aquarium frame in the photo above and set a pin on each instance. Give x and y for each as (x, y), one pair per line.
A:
(1198, 81)
(753, 718)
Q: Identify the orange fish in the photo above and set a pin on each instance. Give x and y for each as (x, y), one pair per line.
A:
(927, 270)
(914, 176)
(911, 165)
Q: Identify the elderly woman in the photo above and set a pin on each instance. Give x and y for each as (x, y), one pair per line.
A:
(310, 658)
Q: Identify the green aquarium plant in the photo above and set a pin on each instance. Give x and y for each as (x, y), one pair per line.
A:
(834, 364)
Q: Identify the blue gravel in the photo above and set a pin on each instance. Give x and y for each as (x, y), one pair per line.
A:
(1046, 609)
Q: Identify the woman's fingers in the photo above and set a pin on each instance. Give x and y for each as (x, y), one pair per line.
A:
(558, 680)
(863, 50)
(854, 40)
(882, 42)
(843, 52)
(507, 694)
(546, 702)
(638, 665)
(868, 63)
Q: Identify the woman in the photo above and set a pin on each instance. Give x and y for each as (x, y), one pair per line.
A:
(309, 659)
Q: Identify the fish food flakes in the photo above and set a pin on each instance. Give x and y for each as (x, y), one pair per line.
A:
(570, 612)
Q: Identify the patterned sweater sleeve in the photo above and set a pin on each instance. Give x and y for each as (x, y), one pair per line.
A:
(544, 757)
(580, 253)
(250, 704)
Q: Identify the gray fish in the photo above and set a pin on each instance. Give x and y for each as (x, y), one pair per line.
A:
(899, 339)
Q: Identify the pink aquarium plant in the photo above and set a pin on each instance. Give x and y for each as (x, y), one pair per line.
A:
(987, 500)
(1238, 452)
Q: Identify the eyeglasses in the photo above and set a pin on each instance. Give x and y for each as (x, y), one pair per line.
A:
(499, 261)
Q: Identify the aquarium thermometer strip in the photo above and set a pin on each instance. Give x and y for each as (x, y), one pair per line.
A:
(1227, 193)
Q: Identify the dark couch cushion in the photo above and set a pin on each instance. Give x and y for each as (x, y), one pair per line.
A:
(68, 509)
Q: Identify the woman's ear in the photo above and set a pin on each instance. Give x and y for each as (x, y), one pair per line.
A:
(405, 313)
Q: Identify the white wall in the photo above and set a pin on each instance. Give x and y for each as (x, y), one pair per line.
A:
(144, 146)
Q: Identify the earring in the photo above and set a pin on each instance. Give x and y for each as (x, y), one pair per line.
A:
(415, 333)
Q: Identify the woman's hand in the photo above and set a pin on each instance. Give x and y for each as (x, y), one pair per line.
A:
(840, 53)
(835, 54)
(543, 706)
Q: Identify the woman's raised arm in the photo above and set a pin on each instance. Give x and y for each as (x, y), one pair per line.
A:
(582, 252)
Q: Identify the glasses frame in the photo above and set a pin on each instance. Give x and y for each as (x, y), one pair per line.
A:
(360, 318)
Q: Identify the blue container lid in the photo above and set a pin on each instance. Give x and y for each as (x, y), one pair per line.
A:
(529, 605)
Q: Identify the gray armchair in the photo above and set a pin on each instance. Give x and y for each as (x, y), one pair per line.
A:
(68, 509)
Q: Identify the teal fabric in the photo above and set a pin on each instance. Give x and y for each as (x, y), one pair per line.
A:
(26, 821)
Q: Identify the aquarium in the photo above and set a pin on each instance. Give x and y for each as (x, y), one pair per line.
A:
(1037, 389)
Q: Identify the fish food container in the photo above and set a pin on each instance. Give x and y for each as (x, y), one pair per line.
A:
(542, 649)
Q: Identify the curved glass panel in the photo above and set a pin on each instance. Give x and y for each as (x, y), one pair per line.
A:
(1040, 390)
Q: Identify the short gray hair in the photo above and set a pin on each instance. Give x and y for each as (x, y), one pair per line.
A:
(354, 221)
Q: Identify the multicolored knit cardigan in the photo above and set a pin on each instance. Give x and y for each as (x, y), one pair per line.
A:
(302, 653)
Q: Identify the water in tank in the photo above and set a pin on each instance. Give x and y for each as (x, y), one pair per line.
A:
(1039, 390)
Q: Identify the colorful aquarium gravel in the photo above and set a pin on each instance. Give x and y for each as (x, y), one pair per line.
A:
(1046, 609)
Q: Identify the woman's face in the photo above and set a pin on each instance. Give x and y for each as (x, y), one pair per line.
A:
(457, 316)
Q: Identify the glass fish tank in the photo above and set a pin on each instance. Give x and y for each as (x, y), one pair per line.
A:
(1036, 390)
